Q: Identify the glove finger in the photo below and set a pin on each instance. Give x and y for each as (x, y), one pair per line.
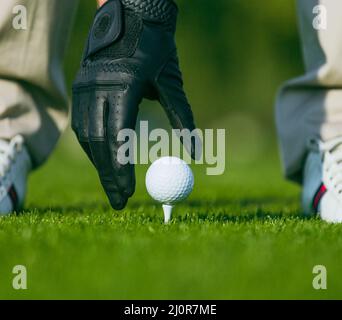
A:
(174, 101)
(79, 120)
(123, 112)
(86, 148)
(100, 151)
(83, 116)
(75, 112)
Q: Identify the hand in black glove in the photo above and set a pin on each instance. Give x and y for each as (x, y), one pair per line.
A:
(130, 55)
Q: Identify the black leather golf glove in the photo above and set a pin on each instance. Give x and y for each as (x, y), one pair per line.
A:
(130, 55)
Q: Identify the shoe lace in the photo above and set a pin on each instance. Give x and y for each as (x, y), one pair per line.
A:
(332, 164)
(8, 151)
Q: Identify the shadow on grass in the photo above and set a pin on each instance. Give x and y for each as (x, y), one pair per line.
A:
(243, 210)
(246, 202)
(82, 208)
(242, 218)
(133, 204)
(258, 206)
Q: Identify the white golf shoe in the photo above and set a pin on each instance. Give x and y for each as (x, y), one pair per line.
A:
(322, 187)
(15, 164)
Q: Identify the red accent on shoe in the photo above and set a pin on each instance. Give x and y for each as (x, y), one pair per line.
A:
(318, 196)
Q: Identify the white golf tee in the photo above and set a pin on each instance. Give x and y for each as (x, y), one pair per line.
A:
(167, 212)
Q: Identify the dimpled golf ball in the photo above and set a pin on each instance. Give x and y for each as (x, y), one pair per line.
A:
(169, 180)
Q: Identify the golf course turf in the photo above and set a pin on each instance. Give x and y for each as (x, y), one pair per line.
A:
(240, 235)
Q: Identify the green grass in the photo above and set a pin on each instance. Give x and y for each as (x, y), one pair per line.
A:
(240, 235)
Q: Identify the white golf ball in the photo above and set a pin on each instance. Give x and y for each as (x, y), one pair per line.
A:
(169, 180)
